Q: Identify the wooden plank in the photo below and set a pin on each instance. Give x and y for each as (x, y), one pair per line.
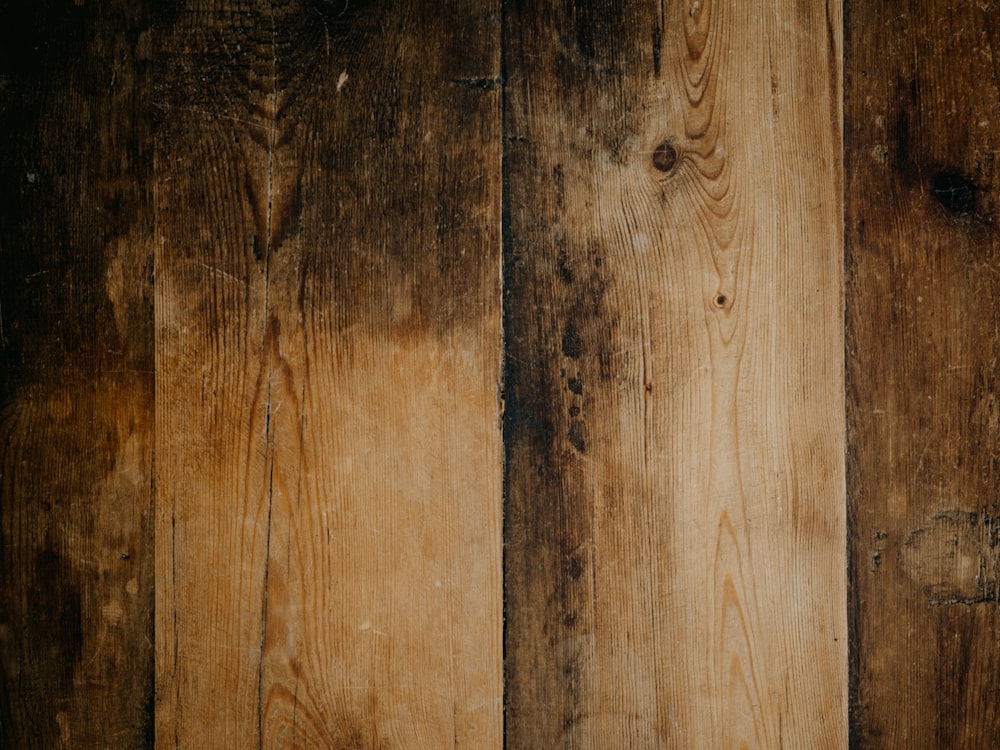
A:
(674, 407)
(328, 353)
(76, 376)
(923, 342)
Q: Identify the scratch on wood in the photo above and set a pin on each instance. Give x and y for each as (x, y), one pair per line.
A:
(483, 84)
(220, 272)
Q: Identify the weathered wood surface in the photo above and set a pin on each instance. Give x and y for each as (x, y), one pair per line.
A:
(674, 409)
(329, 460)
(326, 226)
(76, 376)
(922, 133)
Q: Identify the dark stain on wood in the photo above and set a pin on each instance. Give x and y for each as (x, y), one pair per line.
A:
(76, 383)
(54, 612)
(559, 334)
(955, 192)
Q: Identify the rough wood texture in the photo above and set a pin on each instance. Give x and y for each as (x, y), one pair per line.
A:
(923, 343)
(674, 408)
(76, 376)
(328, 354)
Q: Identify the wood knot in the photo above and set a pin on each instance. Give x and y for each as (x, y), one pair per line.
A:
(665, 157)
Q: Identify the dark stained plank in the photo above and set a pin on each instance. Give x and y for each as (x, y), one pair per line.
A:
(923, 320)
(76, 376)
(329, 460)
(675, 522)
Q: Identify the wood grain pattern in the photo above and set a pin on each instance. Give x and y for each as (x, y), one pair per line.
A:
(328, 354)
(325, 212)
(922, 312)
(76, 376)
(674, 406)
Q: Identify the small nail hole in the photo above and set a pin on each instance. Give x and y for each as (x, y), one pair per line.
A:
(720, 301)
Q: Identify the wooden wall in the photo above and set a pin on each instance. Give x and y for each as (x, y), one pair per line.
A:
(403, 374)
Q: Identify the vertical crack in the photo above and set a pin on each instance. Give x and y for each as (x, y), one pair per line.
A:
(267, 559)
(273, 126)
(271, 141)
(173, 585)
(151, 535)
(265, 362)
(295, 708)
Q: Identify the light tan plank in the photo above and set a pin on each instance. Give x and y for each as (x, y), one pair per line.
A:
(675, 554)
(329, 343)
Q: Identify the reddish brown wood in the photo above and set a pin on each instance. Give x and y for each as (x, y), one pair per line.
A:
(923, 320)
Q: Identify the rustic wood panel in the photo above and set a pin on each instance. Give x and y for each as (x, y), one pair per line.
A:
(329, 459)
(76, 376)
(923, 317)
(674, 375)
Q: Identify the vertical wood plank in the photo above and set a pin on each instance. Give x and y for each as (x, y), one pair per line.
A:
(328, 354)
(922, 133)
(76, 376)
(674, 375)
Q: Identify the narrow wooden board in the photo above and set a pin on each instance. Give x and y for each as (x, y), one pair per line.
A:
(329, 459)
(923, 315)
(76, 376)
(675, 527)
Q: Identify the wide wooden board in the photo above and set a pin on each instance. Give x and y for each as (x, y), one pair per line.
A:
(328, 354)
(674, 376)
(923, 320)
(76, 376)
